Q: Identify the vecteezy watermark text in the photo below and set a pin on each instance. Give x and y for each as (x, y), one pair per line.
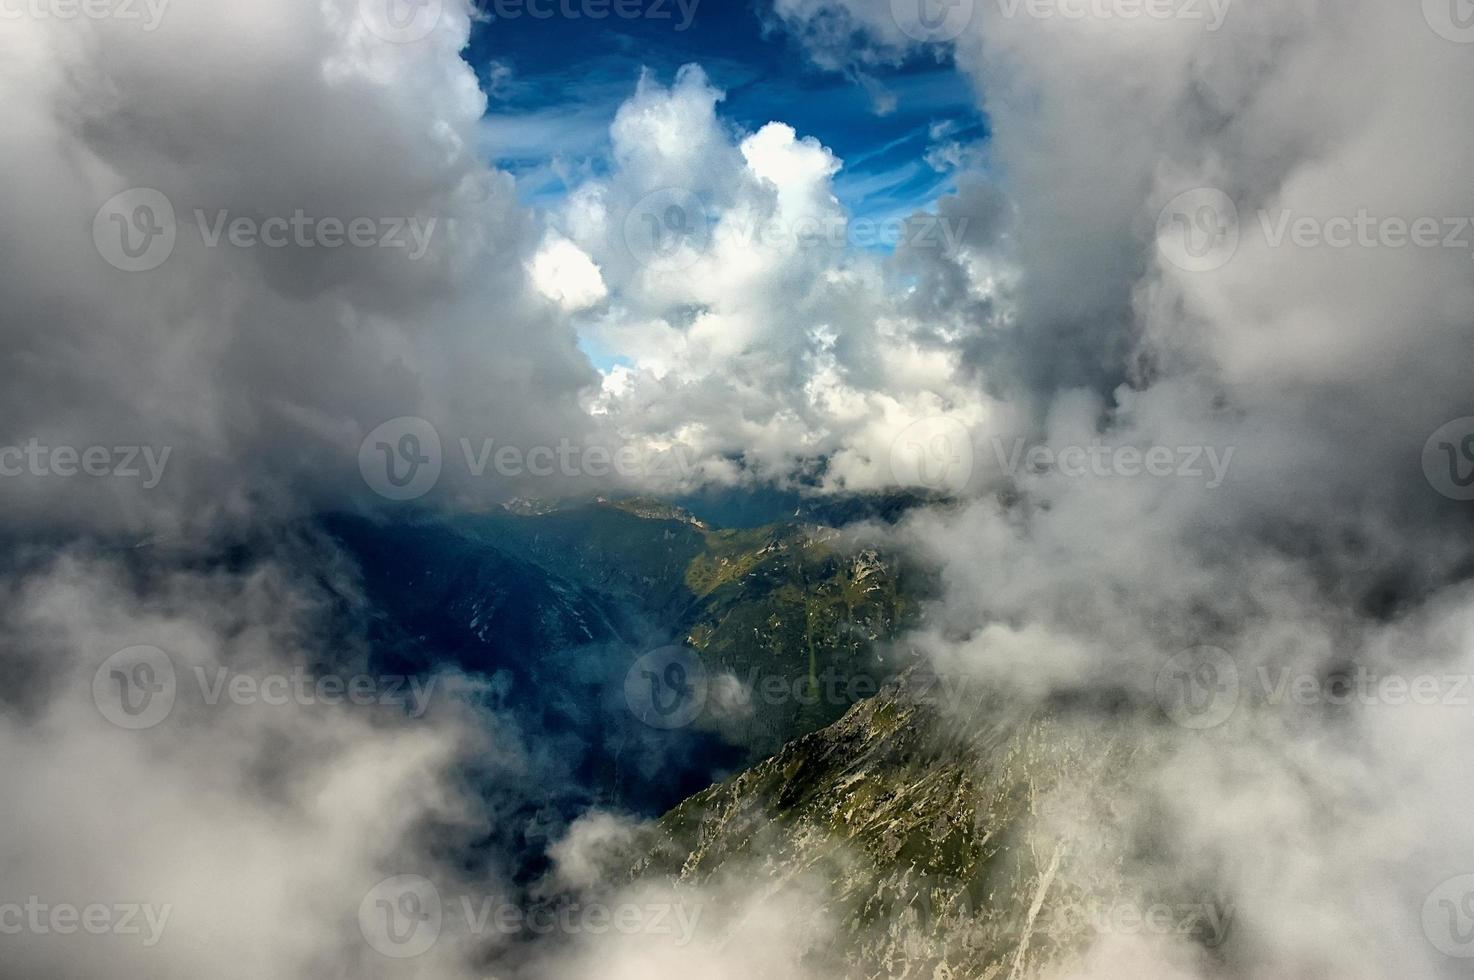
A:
(940, 21)
(1364, 229)
(1206, 922)
(137, 688)
(40, 918)
(1200, 230)
(1212, 12)
(685, 10)
(403, 459)
(1100, 460)
(672, 687)
(937, 453)
(136, 230)
(34, 458)
(303, 230)
(150, 13)
(403, 917)
(1201, 688)
(671, 229)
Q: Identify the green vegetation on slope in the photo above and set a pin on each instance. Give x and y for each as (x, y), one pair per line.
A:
(798, 616)
(793, 617)
(938, 844)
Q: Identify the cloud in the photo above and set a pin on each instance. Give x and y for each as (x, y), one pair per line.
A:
(1065, 300)
(565, 274)
(766, 331)
(261, 366)
(1324, 370)
(247, 824)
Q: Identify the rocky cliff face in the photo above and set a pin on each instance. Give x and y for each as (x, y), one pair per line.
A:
(936, 840)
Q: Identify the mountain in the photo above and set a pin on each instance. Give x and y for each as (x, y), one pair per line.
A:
(919, 829)
(908, 810)
(795, 615)
(554, 605)
(799, 619)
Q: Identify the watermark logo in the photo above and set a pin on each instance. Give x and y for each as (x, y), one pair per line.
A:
(401, 21)
(936, 453)
(831, 686)
(666, 688)
(933, 21)
(668, 230)
(401, 917)
(1448, 459)
(1452, 20)
(1199, 688)
(135, 688)
(135, 230)
(1448, 917)
(401, 459)
(303, 230)
(1198, 230)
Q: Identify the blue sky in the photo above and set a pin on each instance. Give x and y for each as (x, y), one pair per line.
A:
(554, 86)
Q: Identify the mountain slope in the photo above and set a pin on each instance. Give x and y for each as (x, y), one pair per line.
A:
(553, 606)
(933, 841)
(794, 615)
